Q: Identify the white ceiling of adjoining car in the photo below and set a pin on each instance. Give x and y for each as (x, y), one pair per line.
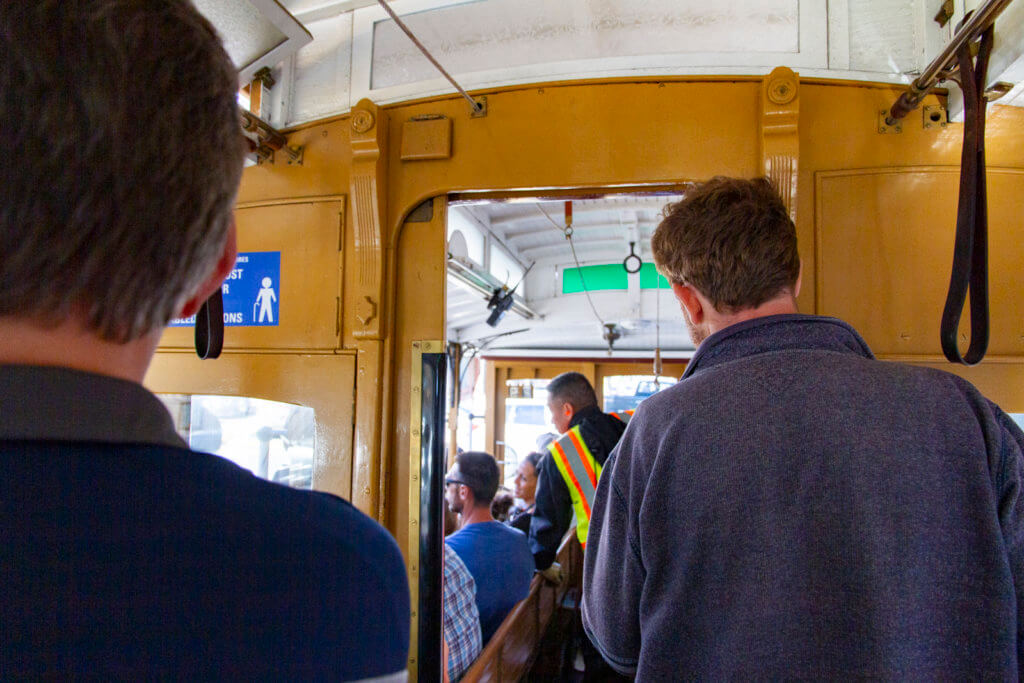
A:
(602, 229)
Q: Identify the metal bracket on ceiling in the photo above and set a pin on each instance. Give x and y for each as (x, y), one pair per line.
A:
(611, 334)
(480, 110)
(265, 140)
(945, 13)
(886, 128)
(998, 90)
(933, 116)
(265, 77)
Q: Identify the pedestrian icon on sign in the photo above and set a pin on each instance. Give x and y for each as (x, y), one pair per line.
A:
(265, 300)
(254, 284)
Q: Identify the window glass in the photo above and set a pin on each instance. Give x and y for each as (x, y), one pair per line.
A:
(625, 392)
(596, 278)
(472, 423)
(470, 232)
(526, 420)
(273, 440)
(1018, 418)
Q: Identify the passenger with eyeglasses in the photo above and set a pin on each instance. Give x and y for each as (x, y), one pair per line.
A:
(497, 555)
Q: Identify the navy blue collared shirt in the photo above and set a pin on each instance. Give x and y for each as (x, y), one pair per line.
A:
(124, 555)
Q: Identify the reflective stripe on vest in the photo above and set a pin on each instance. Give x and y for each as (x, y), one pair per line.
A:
(623, 415)
(580, 471)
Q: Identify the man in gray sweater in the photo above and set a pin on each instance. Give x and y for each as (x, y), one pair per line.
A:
(794, 507)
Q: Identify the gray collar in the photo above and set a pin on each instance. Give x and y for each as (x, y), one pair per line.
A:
(59, 404)
(786, 332)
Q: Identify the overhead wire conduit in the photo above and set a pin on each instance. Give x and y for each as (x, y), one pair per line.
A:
(476, 107)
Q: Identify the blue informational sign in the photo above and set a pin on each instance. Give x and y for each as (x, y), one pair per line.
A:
(252, 292)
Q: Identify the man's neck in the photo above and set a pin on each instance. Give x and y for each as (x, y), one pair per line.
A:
(70, 345)
(780, 305)
(477, 515)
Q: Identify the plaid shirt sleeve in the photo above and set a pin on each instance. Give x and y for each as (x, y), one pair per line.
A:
(461, 618)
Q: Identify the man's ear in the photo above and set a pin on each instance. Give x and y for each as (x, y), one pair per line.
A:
(799, 280)
(225, 264)
(567, 410)
(689, 300)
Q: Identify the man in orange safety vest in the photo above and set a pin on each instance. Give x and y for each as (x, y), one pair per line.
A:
(568, 475)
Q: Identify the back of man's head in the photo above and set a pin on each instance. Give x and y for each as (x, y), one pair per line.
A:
(574, 389)
(732, 240)
(479, 471)
(122, 156)
(502, 504)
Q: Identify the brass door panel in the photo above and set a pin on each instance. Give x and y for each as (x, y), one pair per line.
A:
(885, 249)
(419, 315)
(308, 235)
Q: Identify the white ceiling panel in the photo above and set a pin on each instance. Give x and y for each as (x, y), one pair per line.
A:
(256, 33)
(601, 233)
(477, 36)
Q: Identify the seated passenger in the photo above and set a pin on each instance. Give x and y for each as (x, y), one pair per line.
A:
(461, 617)
(502, 504)
(125, 555)
(451, 521)
(526, 491)
(497, 556)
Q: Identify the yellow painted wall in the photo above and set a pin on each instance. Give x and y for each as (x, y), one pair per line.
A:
(874, 217)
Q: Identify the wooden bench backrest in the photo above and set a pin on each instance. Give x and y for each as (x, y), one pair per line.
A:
(513, 647)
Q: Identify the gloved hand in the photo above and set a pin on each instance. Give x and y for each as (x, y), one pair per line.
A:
(553, 573)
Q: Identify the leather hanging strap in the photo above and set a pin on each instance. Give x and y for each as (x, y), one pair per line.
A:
(210, 327)
(970, 251)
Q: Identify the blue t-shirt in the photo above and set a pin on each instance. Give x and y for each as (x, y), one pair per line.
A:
(499, 559)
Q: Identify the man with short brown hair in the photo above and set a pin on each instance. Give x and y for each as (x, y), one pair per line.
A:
(794, 508)
(125, 555)
(567, 478)
(496, 555)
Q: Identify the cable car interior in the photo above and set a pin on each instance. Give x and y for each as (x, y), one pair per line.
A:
(419, 256)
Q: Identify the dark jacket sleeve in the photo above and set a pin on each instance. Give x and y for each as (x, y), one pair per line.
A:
(613, 570)
(522, 522)
(1011, 510)
(552, 515)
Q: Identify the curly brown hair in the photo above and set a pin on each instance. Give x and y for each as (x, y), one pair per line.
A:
(731, 239)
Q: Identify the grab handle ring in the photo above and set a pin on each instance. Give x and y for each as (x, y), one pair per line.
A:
(633, 256)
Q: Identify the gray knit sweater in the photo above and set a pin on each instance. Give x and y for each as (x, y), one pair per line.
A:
(795, 508)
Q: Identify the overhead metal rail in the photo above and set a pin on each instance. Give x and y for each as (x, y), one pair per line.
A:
(945, 65)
